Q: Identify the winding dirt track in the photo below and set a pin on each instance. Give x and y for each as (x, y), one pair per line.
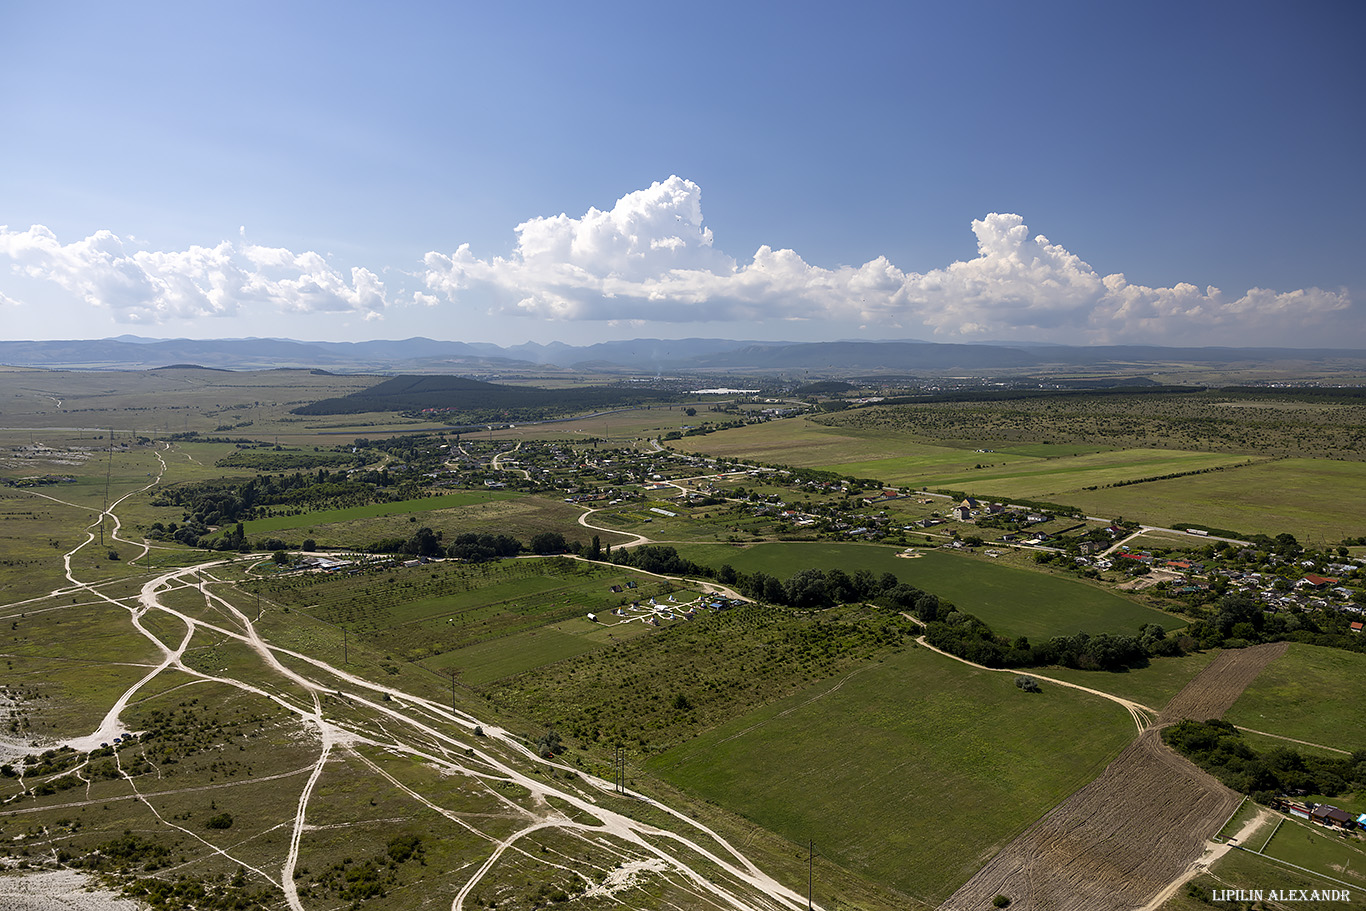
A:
(1124, 837)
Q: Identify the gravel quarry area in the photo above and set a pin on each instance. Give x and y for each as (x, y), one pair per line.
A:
(58, 890)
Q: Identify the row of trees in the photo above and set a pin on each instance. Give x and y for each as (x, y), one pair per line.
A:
(470, 546)
(1218, 748)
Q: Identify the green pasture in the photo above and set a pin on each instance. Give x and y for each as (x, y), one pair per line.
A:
(493, 660)
(631, 424)
(1013, 601)
(1314, 848)
(375, 510)
(1310, 693)
(913, 771)
(487, 620)
(1317, 500)
(802, 443)
(1039, 478)
(522, 516)
(704, 523)
(1153, 686)
(1244, 869)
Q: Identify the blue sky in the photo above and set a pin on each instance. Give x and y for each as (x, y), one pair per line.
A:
(1174, 173)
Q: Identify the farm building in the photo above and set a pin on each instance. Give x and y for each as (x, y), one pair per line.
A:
(1331, 816)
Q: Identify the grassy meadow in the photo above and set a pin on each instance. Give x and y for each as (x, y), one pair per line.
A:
(1052, 478)
(1314, 499)
(1332, 681)
(913, 771)
(1012, 600)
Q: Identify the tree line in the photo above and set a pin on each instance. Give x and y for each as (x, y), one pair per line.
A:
(1218, 748)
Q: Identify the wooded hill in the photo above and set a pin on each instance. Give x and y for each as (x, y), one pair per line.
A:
(477, 401)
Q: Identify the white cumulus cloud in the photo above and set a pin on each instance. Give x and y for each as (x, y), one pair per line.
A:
(147, 286)
(650, 258)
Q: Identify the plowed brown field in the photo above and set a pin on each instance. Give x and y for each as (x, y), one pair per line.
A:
(1118, 841)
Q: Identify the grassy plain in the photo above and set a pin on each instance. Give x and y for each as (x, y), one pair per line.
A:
(1317, 500)
(520, 515)
(1153, 686)
(913, 771)
(1332, 681)
(1050, 478)
(1011, 600)
(374, 510)
(1249, 871)
(802, 443)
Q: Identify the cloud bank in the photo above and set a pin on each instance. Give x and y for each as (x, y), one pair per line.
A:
(148, 287)
(651, 259)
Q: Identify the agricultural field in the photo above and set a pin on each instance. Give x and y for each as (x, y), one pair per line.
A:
(894, 746)
(1153, 686)
(373, 511)
(1054, 479)
(1266, 422)
(493, 512)
(1314, 499)
(1013, 601)
(804, 442)
(1332, 681)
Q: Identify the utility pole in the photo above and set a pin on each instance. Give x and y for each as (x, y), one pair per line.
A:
(810, 867)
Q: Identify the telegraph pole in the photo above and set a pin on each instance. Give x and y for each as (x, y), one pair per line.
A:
(810, 868)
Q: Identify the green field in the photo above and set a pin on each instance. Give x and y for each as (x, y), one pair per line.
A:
(1312, 847)
(1052, 478)
(1153, 686)
(1246, 870)
(375, 510)
(1316, 500)
(913, 771)
(1012, 601)
(521, 516)
(1331, 681)
(802, 443)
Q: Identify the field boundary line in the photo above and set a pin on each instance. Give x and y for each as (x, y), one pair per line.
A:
(1272, 835)
(1241, 804)
(1308, 743)
(1286, 863)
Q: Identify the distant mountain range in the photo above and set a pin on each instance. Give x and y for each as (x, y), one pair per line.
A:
(424, 355)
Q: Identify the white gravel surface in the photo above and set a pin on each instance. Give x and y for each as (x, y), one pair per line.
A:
(58, 890)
